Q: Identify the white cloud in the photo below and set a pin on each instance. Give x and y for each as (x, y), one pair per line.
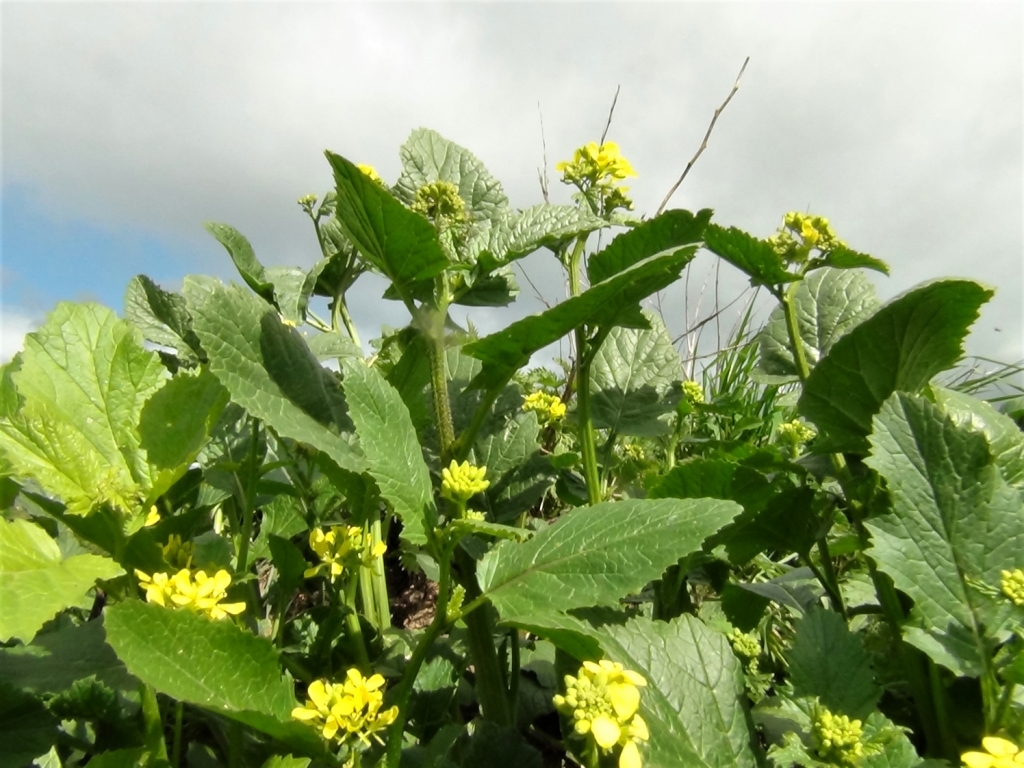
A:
(901, 122)
(13, 327)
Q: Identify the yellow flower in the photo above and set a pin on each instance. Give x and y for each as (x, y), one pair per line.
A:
(549, 408)
(197, 592)
(796, 432)
(478, 516)
(440, 202)
(812, 231)
(599, 168)
(1012, 583)
(602, 702)
(341, 547)
(999, 753)
(152, 518)
(747, 645)
(461, 482)
(350, 708)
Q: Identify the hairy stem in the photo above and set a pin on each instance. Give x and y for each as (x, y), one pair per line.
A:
(179, 714)
(352, 624)
(588, 445)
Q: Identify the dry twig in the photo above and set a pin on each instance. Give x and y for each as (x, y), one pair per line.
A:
(607, 125)
(704, 144)
(542, 176)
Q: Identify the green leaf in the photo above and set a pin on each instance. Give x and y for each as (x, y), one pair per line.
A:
(329, 346)
(597, 555)
(899, 348)
(83, 380)
(427, 157)
(828, 303)
(177, 421)
(495, 746)
(401, 244)
(162, 317)
(1005, 439)
(36, 583)
(518, 472)
(519, 234)
(954, 519)
(120, 758)
(612, 302)
(27, 729)
(242, 254)
(747, 253)
(669, 231)
(55, 660)
(292, 289)
(634, 380)
(391, 448)
(829, 661)
(269, 371)
(212, 664)
(695, 702)
(844, 258)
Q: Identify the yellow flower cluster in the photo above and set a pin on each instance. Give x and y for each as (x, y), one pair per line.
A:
(177, 553)
(341, 547)
(152, 517)
(796, 432)
(999, 753)
(693, 392)
(1012, 583)
(549, 408)
(835, 738)
(196, 591)
(461, 482)
(600, 168)
(802, 232)
(602, 702)
(350, 708)
(745, 644)
(440, 202)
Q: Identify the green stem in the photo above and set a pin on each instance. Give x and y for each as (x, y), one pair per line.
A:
(340, 310)
(831, 582)
(468, 437)
(1003, 707)
(179, 715)
(380, 584)
(353, 625)
(587, 441)
(938, 691)
(796, 343)
(248, 493)
(404, 691)
(236, 746)
(513, 683)
(152, 723)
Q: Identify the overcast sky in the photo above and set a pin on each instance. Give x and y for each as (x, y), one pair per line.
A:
(126, 126)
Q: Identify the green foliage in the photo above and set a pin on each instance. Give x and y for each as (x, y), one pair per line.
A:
(817, 563)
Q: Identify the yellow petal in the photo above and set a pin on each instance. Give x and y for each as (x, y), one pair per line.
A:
(232, 608)
(301, 713)
(634, 678)
(630, 757)
(606, 731)
(625, 699)
(977, 759)
(999, 747)
(319, 693)
(638, 729)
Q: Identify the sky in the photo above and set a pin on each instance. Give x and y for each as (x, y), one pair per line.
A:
(125, 126)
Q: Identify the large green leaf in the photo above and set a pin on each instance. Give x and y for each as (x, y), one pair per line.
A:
(212, 664)
(899, 348)
(612, 302)
(828, 304)
(747, 253)
(83, 380)
(292, 289)
(391, 447)
(162, 317)
(518, 472)
(953, 519)
(36, 583)
(401, 244)
(1006, 441)
(844, 258)
(597, 555)
(695, 702)
(829, 661)
(177, 421)
(268, 369)
(427, 157)
(55, 660)
(27, 729)
(672, 229)
(634, 380)
(519, 234)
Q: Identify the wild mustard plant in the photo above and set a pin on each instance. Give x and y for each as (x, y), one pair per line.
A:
(1012, 585)
(349, 712)
(178, 553)
(549, 408)
(192, 590)
(341, 549)
(998, 753)
(836, 739)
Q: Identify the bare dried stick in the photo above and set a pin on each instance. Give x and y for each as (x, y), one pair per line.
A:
(536, 292)
(542, 175)
(611, 112)
(704, 144)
